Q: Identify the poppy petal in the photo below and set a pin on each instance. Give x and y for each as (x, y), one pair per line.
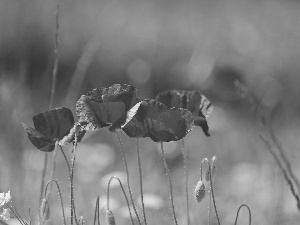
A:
(78, 129)
(193, 101)
(155, 120)
(39, 140)
(55, 123)
(98, 115)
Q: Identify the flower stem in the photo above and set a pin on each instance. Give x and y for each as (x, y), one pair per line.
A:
(73, 212)
(60, 197)
(170, 182)
(141, 180)
(186, 181)
(127, 178)
(237, 214)
(123, 190)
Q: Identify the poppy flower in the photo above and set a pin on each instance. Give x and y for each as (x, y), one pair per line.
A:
(151, 118)
(193, 101)
(101, 107)
(51, 126)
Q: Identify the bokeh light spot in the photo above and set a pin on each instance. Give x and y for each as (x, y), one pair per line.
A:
(139, 71)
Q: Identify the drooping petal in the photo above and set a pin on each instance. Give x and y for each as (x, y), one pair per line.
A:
(40, 141)
(55, 123)
(193, 101)
(155, 120)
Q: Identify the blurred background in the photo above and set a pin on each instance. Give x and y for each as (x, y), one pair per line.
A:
(156, 45)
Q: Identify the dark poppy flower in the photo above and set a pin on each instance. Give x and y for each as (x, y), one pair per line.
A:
(102, 107)
(193, 101)
(49, 127)
(151, 118)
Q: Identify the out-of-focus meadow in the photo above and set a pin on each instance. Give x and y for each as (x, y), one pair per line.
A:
(156, 45)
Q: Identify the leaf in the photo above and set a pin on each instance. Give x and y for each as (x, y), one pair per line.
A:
(39, 140)
(193, 101)
(155, 120)
(102, 107)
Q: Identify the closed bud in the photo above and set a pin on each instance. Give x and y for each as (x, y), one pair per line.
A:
(45, 210)
(110, 219)
(199, 191)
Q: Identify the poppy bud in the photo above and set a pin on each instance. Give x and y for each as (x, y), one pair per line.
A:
(45, 210)
(199, 191)
(110, 219)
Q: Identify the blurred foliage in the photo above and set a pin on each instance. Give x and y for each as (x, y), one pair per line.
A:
(156, 45)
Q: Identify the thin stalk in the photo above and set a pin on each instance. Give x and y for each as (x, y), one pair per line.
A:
(123, 190)
(170, 182)
(127, 178)
(209, 206)
(53, 88)
(17, 215)
(73, 212)
(45, 165)
(65, 157)
(97, 211)
(29, 216)
(53, 167)
(186, 181)
(141, 179)
(237, 214)
(212, 192)
(59, 195)
(285, 174)
(282, 155)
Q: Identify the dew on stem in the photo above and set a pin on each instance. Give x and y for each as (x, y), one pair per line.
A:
(127, 177)
(170, 182)
(141, 180)
(123, 191)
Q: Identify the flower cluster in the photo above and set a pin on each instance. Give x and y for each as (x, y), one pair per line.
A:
(168, 117)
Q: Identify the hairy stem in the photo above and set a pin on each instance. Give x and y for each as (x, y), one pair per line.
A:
(123, 190)
(60, 197)
(212, 193)
(127, 178)
(65, 157)
(73, 211)
(141, 180)
(186, 181)
(170, 182)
